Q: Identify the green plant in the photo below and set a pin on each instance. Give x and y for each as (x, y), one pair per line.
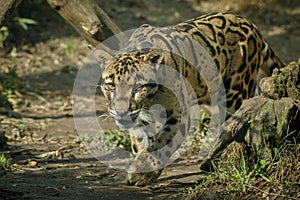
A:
(202, 127)
(19, 23)
(5, 163)
(23, 22)
(10, 92)
(4, 102)
(4, 33)
(68, 47)
(194, 188)
(232, 176)
(118, 138)
(243, 176)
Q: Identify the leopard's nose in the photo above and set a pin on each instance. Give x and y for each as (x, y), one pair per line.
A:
(121, 112)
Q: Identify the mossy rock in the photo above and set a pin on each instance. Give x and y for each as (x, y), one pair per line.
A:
(284, 82)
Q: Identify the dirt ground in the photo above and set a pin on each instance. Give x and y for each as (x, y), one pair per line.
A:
(48, 158)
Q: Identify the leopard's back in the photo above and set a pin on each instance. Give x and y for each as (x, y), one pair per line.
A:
(238, 50)
(235, 45)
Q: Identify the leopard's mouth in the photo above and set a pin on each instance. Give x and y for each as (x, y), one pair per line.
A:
(125, 120)
(125, 123)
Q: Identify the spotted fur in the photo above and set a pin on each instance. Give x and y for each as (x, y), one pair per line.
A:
(129, 84)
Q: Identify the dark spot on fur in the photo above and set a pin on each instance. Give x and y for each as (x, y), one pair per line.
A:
(241, 68)
(168, 154)
(159, 155)
(57, 8)
(263, 46)
(172, 121)
(169, 141)
(217, 64)
(229, 95)
(167, 129)
(251, 84)
(246, 31)
(245, 94)
(169, 112)
(229, 103)
(227, 83)
(221, 38)
(170, 144)
(182, 129)
(236, 96)
(247, 78)
(135, 149)
(238, 104)
(236, 87)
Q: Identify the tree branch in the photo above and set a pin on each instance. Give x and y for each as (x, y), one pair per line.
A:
(7, 7)
(88, 19)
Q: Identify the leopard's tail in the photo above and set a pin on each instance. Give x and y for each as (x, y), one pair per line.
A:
(270, 60)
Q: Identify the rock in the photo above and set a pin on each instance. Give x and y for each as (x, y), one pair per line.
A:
(262, 123)
(284, 82)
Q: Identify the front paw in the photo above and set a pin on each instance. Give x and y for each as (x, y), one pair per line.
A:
(145, 169)
(142, 179)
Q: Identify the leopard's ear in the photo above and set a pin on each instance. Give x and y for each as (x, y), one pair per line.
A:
(102, 57)
(155, 58)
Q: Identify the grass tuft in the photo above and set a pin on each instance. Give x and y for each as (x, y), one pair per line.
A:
(238, 175)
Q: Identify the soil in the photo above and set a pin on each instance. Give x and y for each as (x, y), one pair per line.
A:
(49, 161)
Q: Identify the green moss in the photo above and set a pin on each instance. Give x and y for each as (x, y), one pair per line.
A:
(288, 81)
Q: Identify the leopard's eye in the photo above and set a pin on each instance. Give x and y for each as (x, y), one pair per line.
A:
(137, 88)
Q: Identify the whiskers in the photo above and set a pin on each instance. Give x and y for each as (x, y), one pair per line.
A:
(94, 86)
(145, 117)
(105, 116)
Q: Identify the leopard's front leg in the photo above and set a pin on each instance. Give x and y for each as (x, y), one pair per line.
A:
(152, 159)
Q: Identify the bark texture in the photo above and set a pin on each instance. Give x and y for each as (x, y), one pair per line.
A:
(7, 7)
(88, 19)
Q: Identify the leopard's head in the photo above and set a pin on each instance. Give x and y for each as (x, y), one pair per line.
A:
(129, 85)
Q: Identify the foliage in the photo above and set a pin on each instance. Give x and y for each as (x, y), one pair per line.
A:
(118, 138)
(67, 47)
(13, 24)
(4, 33)
(10, 92)
(203, 130)
(238, 174)
(243, 176)
(5, 163)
